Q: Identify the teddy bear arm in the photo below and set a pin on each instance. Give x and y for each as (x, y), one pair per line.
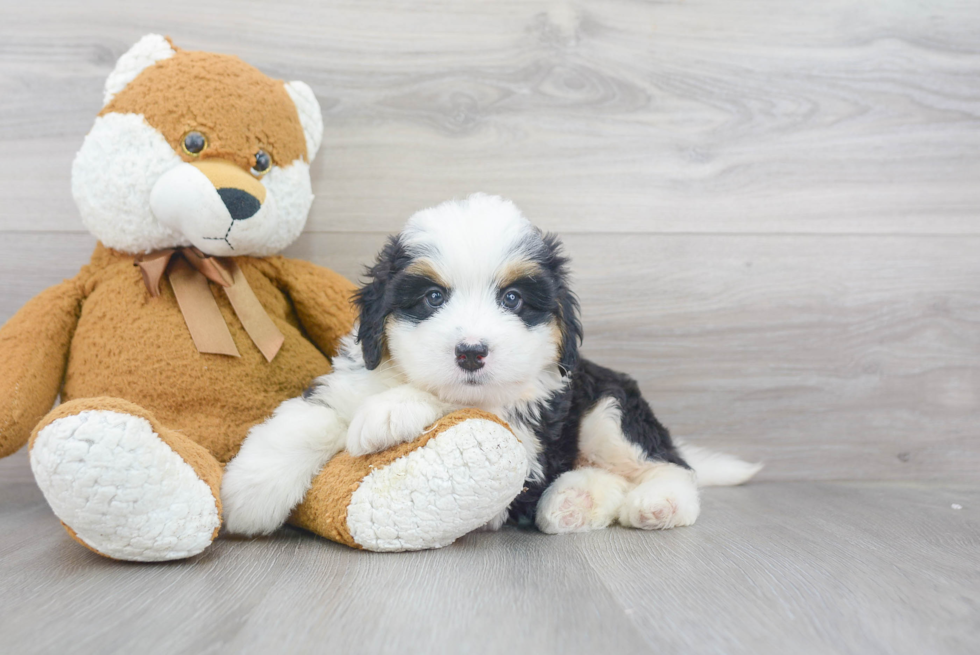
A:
(322, 300)
(33, 356)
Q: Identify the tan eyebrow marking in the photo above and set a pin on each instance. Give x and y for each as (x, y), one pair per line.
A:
(515, 270)
(425, 268)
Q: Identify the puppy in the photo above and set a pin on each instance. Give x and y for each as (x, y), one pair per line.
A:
(470, 306)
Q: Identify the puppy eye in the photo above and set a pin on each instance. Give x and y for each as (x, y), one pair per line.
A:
(263, 162)
(434, 298)
(194, 143)
(512, 300)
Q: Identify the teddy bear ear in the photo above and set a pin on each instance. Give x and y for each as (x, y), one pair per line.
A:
(146, 52)
(309, 115)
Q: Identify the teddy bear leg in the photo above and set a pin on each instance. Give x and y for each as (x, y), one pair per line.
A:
(458, 476)
(123, 485)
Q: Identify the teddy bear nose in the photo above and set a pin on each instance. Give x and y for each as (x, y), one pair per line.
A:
(240, 204)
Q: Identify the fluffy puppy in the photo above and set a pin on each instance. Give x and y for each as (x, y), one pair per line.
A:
(470, 306)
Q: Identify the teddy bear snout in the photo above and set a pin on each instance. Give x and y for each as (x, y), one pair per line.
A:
(216, 206)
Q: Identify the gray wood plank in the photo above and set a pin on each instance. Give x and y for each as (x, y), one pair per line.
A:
(830, 358)
(769, 568)
(760, 116)
(806, 568)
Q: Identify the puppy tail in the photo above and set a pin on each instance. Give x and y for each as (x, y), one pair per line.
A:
(717, 469)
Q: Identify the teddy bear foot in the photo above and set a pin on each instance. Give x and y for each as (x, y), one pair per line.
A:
(457, 477)
(120, 489)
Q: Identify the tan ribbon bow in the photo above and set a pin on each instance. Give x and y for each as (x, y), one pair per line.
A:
(189, 270)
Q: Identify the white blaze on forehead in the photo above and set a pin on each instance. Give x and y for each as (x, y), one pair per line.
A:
(469, 241)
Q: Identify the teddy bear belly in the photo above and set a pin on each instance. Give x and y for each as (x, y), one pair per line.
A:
(138, 349)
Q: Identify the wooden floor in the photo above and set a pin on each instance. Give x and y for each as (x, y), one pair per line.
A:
(770, 568)
(773, 210)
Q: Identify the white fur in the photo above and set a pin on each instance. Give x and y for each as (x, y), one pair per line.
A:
(602, 442)
(469, 243)
(393, 417)
(147, 51)
(273, 470)
(310, 116)
(716, 469)
(580, 500)
(651, 495)
(135, 194)
(277, 463)
(112, 176)
(667, 497)
(184, 200)
(123, 491)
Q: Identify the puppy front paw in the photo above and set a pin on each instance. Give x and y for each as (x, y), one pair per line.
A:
(381, 423)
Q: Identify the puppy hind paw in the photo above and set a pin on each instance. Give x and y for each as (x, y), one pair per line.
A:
(568, 510)
(662, 502)
(580, 500)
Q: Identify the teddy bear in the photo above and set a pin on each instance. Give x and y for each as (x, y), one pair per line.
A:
(187, 329)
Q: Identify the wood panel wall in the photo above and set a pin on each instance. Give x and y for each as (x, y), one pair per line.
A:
(771, 205)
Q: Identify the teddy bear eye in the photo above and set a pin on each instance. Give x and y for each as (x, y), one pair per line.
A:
(194, 143)
(262, 162)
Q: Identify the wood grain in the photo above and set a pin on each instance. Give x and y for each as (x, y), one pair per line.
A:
(769, 568)
(701, 116)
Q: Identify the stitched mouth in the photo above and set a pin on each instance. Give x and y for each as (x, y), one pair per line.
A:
(225, 237)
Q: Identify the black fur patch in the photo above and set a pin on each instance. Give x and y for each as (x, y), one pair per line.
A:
(408, 297)
(561, 419)
(374, 303)
(549, 254)
(561, 416)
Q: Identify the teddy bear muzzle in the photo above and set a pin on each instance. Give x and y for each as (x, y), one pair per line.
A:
(215, 205)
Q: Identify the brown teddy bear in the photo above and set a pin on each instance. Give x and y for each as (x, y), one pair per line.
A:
(186, 329)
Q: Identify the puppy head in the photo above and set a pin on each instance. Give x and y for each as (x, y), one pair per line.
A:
(196, 148)
(472, 303)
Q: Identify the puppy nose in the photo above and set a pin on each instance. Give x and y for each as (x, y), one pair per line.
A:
(240, 204)
(470, 356)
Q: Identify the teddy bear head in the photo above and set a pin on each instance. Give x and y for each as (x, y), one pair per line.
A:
(197, 149)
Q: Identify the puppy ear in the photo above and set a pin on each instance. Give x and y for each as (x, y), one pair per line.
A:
(310, 116)
(374, 304)
(569, 320)
(144, 53)
(570, 326)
